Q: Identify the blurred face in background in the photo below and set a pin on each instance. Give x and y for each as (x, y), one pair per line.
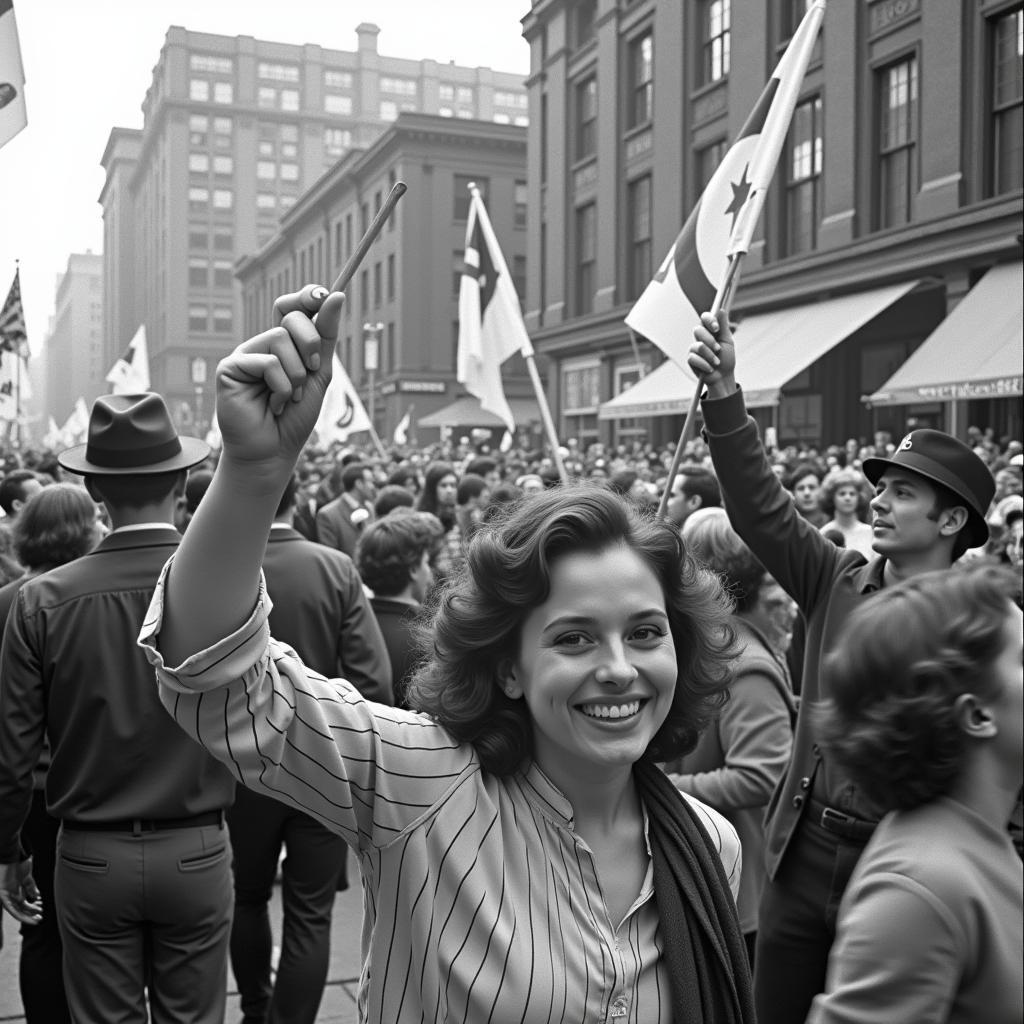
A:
(805, 493)
(445, 490)
(846, 500)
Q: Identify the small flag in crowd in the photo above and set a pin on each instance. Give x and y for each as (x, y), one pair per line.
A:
(343, 412)
(723, 221)
(76, 426)
(12, 76)
(130, 374)
(12, 321)
(491, 325)
(51, 439)
(401, 435)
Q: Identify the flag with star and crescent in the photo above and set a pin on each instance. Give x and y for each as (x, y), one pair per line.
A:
(722, 223)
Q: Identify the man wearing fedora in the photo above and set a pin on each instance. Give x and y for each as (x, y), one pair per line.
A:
(143, 877)
(928, 509)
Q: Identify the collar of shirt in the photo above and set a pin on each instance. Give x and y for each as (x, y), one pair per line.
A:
(135, 527)
(873, 578)
(280, 526)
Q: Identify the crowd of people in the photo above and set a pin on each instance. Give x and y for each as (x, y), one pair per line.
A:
(772, 774)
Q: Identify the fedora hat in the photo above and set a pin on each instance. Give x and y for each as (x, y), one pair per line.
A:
(132, 435)
(944, 460)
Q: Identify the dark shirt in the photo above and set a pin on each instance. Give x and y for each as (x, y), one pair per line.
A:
(396, 619)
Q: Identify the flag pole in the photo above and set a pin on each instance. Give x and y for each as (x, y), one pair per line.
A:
(723, 300)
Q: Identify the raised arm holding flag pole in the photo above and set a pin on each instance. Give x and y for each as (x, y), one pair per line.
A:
(491, 326)
(701, 270)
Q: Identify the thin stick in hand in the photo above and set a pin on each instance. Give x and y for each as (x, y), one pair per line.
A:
(348, 271)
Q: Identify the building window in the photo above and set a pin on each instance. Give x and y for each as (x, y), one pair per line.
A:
(1007, 111)
(337, 141)
(337, 104)
(223, 165)
(278, 72)
(521, 198)
(222, 126)
(198, 318)
(446, 92)
(716, 18)
(223, 92)
(222, 276)
(803, 177)
(586, 257)
(586, 118)
(198, 126)
(290, 99)
(197, 272)
(708, 160)
(222, 318)
(198, 163)
(458, 268)
(198, 198)
(445, 112)
(584, 16)
(223, 242)
(502, 119)
(289, 172)
(463, 94)
(388, 110)
(223, 199)
(897, 142)
(641, 57)
(199, 90)
(398, 86)
(462, 196)
(338, 79)
(206, 62)
(639, 209)
(377, 284)
(519, 277)
(391, 277)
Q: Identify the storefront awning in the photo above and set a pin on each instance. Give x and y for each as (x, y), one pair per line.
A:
(466, 412)
(772, 348)
(976, 352)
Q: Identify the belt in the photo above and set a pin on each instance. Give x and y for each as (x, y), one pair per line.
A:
(139, 825)
(841, 824)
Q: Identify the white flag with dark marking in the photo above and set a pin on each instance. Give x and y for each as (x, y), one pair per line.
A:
(343, 412)
(13, 116)
(130, 374)
(722, 223)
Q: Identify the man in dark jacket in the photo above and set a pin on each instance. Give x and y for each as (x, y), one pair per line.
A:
(321, 610)
(143, 857)
(929, 507)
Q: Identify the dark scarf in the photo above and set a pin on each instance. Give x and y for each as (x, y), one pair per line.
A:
(704, 949)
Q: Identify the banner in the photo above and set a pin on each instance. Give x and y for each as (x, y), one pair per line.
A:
(130, 374)
(13, 116)
(343, 412)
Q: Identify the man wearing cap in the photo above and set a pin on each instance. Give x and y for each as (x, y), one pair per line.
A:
(928, 509)
(143, 877)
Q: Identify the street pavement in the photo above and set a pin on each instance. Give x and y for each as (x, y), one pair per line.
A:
(338, 1006)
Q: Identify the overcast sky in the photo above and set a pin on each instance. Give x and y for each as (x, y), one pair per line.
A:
(87, 68)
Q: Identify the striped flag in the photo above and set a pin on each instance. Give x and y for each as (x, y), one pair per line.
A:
(12, 321)
(491, 325)
(130, 374)
(722, 223)
(401, 435)
(12, 76)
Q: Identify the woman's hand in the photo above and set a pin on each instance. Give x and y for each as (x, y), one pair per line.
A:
(712, 356)
(271, 388)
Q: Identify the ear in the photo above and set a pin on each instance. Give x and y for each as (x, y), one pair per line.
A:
(507, 680)
(974, 717)
(953, 520)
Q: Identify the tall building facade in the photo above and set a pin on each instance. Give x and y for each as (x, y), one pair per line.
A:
(405, 294)
(898, 192)
(235, 131)
(74, 355)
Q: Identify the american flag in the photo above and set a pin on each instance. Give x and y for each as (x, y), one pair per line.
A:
(12, 322)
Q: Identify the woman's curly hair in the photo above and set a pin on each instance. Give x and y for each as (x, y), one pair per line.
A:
(905, 658)
(845, 478)
(476, 623)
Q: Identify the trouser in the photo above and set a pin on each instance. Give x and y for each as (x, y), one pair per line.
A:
(797, 922)
(314, 859)
(145, 910)
(40, 972)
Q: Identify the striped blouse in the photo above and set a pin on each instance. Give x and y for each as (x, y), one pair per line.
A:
(481, 904)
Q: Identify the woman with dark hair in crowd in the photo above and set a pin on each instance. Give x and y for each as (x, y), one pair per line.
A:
(927, 714)
(804, 483)
(440, 489)
(741, 756)
(56, 525)
(844, 498)
(523, 855)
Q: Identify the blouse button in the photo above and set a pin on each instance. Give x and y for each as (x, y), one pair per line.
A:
(798, 801)
(805, 782)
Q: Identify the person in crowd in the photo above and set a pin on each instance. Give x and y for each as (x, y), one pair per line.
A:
(16, 487)
(339, 522)
(525, 788)
(391, 496)
(530, 483)
(693, 488)
(471, 495)
(438, 497)
(501, 501)
(629, 484)
(740, 758)
(486, 467)
(195, 487)
(10, 568)
(804, 483)
(844, 498)
(320, 610)
(55, 526)
(929, 507)
(1013, 554)
(406, 476)
(143, 876)
(394, 557)
(304, 518)
(926, 710)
